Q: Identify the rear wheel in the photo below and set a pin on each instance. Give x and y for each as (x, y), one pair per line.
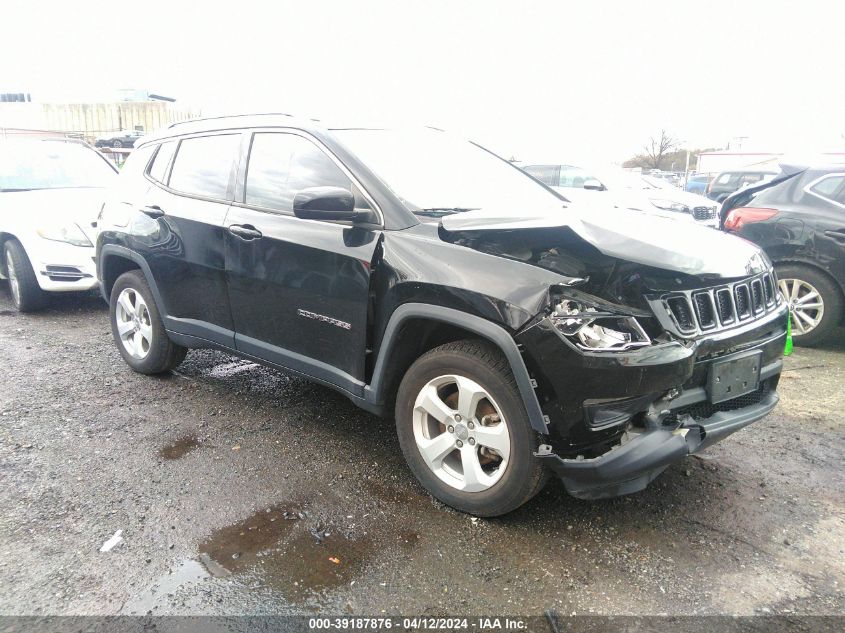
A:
(138, 329)
(464, 431)
(814, 300)
(117, 145)
(23, 285)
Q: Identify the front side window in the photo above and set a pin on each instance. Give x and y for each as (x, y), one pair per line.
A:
(203, 165)
(573, 177)
(158, 170)
(547, 174)
(281, 165)
(828, 187)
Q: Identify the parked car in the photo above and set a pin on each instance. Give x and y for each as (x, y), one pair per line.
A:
(422, 276)
(627, 190)
(799, 221)
(698, 184)
(726, 182)
(50, 193)
(124, 138)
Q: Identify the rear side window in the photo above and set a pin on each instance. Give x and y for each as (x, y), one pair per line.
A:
(203, 165)
(828, 187)
(547, 174)
(158, 170)
(281, 165)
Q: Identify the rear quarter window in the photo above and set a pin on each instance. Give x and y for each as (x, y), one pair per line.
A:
(158, 169)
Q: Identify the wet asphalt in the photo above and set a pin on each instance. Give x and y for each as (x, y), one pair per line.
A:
(243, 490)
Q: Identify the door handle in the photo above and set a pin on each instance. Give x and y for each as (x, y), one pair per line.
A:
(153, 211)
(245, 231)
(837, 235)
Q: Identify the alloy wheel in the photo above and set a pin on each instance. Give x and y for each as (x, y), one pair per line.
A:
(12, 274)
(134, 324)
(461, 433)
(805, 302)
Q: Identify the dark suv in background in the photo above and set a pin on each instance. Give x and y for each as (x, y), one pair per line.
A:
(727, 182)
(425, 278)
(799, 220)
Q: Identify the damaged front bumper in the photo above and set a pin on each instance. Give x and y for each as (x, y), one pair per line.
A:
(671, 433)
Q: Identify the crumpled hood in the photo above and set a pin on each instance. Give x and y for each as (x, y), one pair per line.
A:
(641, 238)
(54, 207)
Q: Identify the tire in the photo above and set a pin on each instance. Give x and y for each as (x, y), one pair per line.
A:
(498, 490)
(807, 278)
(23, 284)
(117, 144)
(135, 316)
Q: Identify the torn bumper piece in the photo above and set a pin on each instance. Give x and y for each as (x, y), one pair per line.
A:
(632, 466)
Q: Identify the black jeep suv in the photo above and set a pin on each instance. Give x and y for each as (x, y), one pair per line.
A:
(424, 277)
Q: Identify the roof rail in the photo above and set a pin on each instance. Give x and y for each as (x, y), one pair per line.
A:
(227, 116)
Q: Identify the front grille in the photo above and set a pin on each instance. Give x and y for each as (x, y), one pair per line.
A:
(704, 410)
(704, 213)
(720, 307)
(705, 310)
(681, 311)
(724, 305)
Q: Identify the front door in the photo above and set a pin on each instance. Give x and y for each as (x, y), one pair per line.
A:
(298, 288)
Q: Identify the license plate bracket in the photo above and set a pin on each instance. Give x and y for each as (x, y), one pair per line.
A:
(734, 376)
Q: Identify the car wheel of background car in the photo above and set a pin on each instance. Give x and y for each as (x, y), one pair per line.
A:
(464, 430)
(23, 285)
(117, 144)
(815, 301)
(137, 327)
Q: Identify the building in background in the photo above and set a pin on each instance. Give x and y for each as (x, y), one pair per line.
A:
(136, 110)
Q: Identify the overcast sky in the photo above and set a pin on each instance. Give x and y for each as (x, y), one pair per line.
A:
(538, 80)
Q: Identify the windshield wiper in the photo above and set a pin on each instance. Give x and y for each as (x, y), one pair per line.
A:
(439, 212)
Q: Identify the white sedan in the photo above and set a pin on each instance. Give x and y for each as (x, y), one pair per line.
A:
(51, 191)
(627, 190)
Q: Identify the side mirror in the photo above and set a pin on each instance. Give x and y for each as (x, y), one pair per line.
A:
(324, 203)
(593, 185)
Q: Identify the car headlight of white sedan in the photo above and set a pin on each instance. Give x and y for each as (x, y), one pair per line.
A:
(669, 205)
(68, 233)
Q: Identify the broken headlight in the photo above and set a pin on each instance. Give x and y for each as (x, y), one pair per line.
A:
(669, 205)
(593, 328)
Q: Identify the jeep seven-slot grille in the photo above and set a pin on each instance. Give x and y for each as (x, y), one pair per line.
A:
(710, 309)
(704, 213)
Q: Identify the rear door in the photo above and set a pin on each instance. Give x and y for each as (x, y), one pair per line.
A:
(828, 193)
(299, 289)
(194, 184)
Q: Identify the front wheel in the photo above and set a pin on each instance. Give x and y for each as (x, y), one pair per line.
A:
(138, 329)
(23, 285)
(814, 300)
(464, 430)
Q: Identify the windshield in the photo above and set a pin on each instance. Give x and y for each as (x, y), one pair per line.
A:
(51, 165)
(434, 173)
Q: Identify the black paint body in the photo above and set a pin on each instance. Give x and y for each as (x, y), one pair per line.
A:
(392, 288)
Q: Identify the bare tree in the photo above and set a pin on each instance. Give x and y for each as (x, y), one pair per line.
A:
(658, 148)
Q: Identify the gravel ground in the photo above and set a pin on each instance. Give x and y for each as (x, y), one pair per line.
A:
(239, 489)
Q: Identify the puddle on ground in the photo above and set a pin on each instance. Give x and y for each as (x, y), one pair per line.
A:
(290, 550)
(187, 573)
(180, 447)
